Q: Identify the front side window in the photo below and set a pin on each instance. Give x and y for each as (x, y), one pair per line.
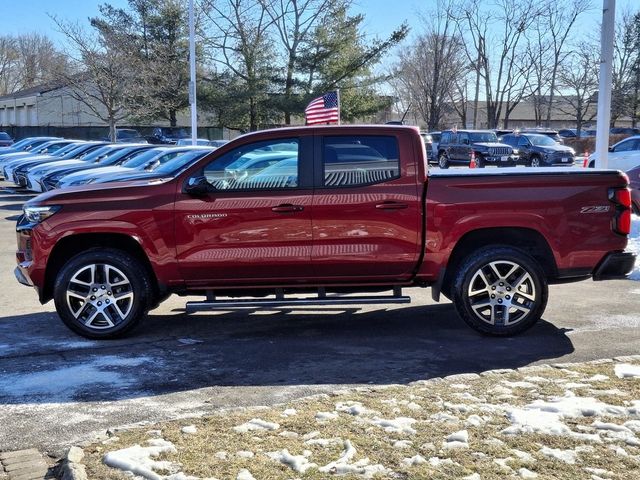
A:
(261, 165)
(359, 160)
(463, 138)
(483, 137)
(626, 146)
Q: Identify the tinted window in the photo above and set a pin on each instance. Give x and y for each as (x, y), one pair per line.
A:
(261, 165)
(359, 160)
(626, 146)
(463, 138)
(509, 140)
(446, 137)
(4, 136)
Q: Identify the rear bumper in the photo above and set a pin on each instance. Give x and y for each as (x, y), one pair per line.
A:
(614, 265)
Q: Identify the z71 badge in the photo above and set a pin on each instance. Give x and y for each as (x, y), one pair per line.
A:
(596, 209)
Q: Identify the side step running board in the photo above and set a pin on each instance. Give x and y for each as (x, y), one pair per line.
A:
(281, 301)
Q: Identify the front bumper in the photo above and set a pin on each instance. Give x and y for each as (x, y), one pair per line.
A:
(22, 276)
(615, 265)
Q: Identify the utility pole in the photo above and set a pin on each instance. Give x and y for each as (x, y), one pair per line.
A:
(192, 72)
(604, 90)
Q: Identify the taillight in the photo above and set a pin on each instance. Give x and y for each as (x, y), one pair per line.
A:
(621, 197)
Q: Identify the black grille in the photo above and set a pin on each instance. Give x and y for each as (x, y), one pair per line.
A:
(499, 151)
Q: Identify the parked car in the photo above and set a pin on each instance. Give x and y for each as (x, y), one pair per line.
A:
(127, 135)
(25, 175)
(5, 140)
(624, 155)
(203, 142)
(634, 185)
(536, 150)
(456, 146)
(22, 148)
(552, 134)
(624, 131)
(107, 156)
(428, 146)
(106, 254)
(218, 143)
(52, 150)
(168, 135)
(165, 170)
(435, 141)
(146, 160)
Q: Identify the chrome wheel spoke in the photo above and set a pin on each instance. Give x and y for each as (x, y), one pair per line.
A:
(92, 299)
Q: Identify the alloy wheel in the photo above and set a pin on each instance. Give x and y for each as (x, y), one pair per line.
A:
(99, 296)
(502, 293)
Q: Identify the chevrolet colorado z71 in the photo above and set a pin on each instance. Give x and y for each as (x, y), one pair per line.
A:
(329, 210)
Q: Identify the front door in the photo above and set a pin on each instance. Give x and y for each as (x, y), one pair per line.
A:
(256, 224)
(366, 208)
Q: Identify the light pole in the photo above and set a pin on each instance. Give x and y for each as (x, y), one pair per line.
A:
(192, 73)
(604, 90)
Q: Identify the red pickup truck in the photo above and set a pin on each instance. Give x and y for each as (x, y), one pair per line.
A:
(325, 210)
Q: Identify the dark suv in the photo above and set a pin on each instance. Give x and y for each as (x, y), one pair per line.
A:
(167, 135)
(456, 146)
(536, 150)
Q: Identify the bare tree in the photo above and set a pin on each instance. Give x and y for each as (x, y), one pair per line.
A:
(559, 16)
(103, 75)
(494, 39)
(625, 64)
(295, 22)
(578, 79)
(240, 45)
(430, 68)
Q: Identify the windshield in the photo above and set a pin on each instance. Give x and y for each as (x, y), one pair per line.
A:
(100, 153)
(183, 160)
(128, 133)
(483, 137)
(143, 158)
(22, 143)
(542, 140)
(4, 136)
(71, 151)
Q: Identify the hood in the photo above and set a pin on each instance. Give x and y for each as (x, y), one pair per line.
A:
(490, 144)
(48, 167)
(554, 148)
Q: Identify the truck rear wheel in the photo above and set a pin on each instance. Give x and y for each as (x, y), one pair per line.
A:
(102, 293)
(500, 291)
(443, 161)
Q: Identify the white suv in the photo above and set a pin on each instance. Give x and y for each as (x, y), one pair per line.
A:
(624, 155)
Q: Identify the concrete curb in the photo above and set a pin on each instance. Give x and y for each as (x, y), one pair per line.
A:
(73, 469)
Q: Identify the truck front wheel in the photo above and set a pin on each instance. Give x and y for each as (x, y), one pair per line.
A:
(443, 161)
(102, 293)
(500, 291)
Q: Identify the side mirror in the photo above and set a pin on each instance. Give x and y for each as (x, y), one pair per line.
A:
(198, 186)
(611, 149)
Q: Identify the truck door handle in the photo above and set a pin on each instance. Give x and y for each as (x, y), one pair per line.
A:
(287, 208)
(391, 205)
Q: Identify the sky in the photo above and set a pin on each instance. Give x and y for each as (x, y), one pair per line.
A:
(381, 16)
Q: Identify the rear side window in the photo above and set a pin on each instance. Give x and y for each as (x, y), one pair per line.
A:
(359, 160)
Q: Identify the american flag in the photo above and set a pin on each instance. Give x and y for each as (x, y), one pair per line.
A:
(324, 109)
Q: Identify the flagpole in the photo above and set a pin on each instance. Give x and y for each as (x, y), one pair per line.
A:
(339, 110)
(192, 76)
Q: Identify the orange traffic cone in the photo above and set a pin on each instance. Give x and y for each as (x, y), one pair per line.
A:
(586, 159)
(472, 163)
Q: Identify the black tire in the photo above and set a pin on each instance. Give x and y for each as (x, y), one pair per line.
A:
(526, 299)
(592, 164)
(535, 161)
(480, 163)
(116, 289)
(443, 161)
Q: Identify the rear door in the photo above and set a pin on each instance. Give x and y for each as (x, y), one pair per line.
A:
(366, 207)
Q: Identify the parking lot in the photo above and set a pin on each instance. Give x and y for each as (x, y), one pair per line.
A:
(57, 389)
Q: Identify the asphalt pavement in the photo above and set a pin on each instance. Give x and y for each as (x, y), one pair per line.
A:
(58, 389)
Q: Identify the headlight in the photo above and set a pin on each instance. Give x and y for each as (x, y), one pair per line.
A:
(516, 151)
(38, 172)
(82, 182)
(39, 214)
(573, 152)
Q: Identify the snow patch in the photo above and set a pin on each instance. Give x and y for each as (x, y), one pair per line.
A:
(525, 473)
(189, 429)
(625, 370)
(361, 467)
(567, 456)
(140, 461)
(289, 412)
(352, 408)
(415, 460)
(324, 416)
(398, 425)
(245, 474)
(298, 463)
(256, 424)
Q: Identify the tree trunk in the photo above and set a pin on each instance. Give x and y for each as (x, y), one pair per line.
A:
(112, 129)
(172, 118)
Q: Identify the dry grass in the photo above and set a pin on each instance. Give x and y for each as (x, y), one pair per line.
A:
(486, 396)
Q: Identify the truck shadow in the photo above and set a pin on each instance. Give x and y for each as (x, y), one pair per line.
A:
(43, 362)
